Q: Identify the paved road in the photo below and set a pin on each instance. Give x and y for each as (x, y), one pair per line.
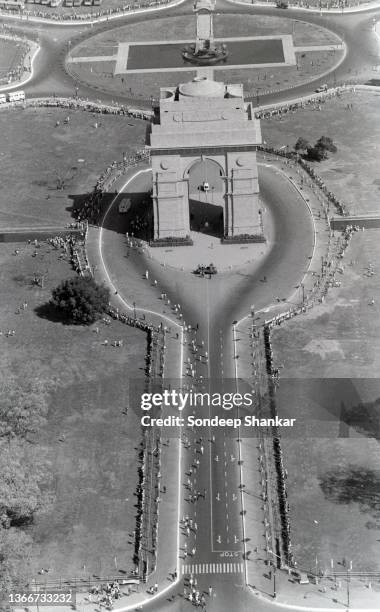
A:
(210, 465)
(217, 512)
(50, 75)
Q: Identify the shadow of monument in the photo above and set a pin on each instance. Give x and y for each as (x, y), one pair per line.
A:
(137, 221)
(206, 218)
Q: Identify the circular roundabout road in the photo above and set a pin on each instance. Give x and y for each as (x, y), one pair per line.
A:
(50, 74)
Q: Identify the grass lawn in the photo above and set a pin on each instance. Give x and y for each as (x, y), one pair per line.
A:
(76, 152)
(352, 173)
(183, 28)
(10, 54)
(334, 478)
(260, 81)
(88, 445)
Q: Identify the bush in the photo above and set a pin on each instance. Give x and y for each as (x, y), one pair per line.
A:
(326, 143)
(316, 153)
(81, 300)
(302, 144)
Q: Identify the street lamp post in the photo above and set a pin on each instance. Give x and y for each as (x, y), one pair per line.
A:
(349, 568)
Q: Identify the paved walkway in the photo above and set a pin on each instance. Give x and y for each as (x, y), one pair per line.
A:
(208, 249)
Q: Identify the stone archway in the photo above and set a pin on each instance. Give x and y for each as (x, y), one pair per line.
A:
(207, 190)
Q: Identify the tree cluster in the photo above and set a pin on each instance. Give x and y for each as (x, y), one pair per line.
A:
(23, 412)
(317, 152)
(80, 300)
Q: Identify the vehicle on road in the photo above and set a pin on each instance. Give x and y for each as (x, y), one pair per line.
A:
(125, 205)
(16, 96)
(206, 270)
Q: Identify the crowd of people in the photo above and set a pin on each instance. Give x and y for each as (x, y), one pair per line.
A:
(319, 182)
(315, 100)
(91, 208)
(77, 103)
(320, 4)
(105, 594)
(325, 4)
(100, 14)
(16, 71)
(325, 281)
(146, 532)
(328, 277)
(73, 245)
(277, 451)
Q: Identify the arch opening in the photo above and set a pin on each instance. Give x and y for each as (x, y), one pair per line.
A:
(206, 184)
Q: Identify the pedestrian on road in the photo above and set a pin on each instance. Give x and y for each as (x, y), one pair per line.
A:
(210, 590)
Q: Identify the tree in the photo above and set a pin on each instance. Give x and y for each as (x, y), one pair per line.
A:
(20, 477)
(81, 300)
(302, 144)
(326, 143)
(22, 410)
(316, 153)
(15, 548)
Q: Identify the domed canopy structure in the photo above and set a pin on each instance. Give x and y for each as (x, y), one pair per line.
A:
(202, 87)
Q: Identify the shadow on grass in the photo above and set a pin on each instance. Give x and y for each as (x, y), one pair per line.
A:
(363, 417)
(353, 485)
(51, 313)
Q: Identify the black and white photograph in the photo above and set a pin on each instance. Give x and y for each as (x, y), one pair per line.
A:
(190, 305)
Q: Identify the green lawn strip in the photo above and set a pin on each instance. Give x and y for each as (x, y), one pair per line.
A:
(10, 54)
(87, 449)
(334, 480)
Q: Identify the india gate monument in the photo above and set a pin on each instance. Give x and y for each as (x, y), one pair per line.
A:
(203, 153)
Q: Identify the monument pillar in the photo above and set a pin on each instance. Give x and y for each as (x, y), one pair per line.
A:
(204, 28)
